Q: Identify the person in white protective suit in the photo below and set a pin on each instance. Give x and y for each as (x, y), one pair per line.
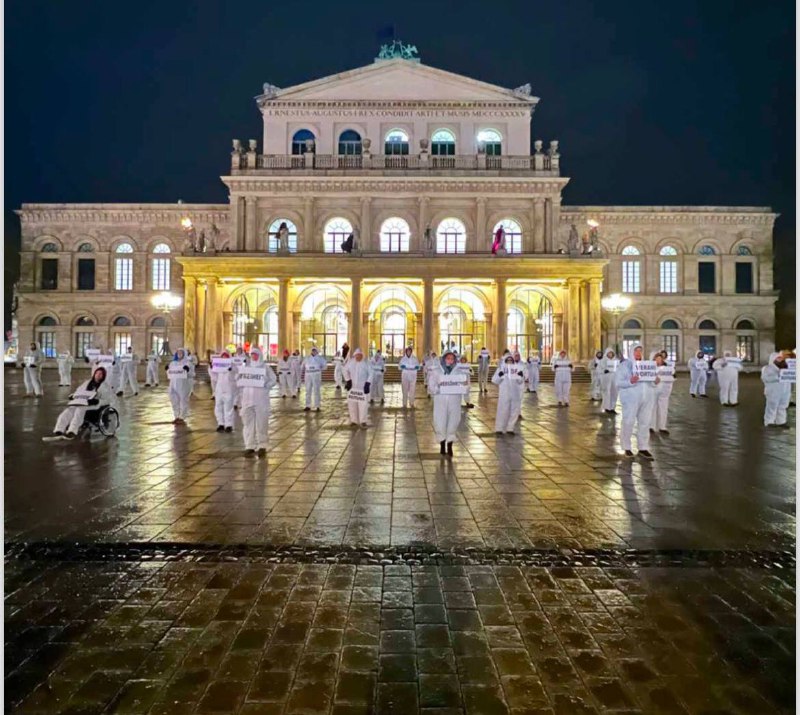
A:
(213, 376)
(511, 383)
(295, 362)
(409, 367)
(357, 375)
(443, 385)
(193, 359)
(91, 395)
(637, 400)
(239, 359)
(777, 393)
(338, 370)
(430, 363)
(225, 396)
(256, 408)
(114, 378)
(698, 373)
(179, 372)
(465, 368)
(727, 372)
(32, 370)
(484, 358)
(313, 366)
(596, 389)
(378, 367)
(663, 390)
(608, 368)
(521, 367)
(285, 379)
(562, 366)
(534, 365)
(151, 373)
(128, 365)
(65, 363)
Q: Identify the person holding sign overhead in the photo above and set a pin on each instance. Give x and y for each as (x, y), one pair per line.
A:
(446, 386)
(255, 381)
(663, 390)
(313, 366)
(727, 370)
(409, 367)
(357, 374)
(777, 376)
(90, 395)
(562, 366)
(65, 363)
(225, 392)
(32, 371)
(511, 383)
(178, 372)
(608, 368)
(637, 400)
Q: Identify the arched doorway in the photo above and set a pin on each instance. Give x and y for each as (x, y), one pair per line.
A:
(392, 315)
(530, 323)
(323, 320)
(462, 322)
(255, 320)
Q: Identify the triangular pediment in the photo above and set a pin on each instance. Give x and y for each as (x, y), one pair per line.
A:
(400, 80)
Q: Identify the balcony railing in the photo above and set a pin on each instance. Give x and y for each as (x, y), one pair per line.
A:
(544, 164)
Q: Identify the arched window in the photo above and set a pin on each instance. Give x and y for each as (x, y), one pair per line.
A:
(272, 235)
(745, 325)
(86, 248)
(462, 322)
(670, 340)
(323, 319)
(396, 143)
(745, 344)
(84, 322)
(668, 271)
(161, 268)
(46, 336)
(395, 235)
(513, 232)
(707, 325)
(121, 322)
(301, 136)
(451, 236)
(530, 322)
(336, 231)
(158, 322)
(123, 268)
(350, 142)
(707, 251)
(669, 325)
(157, 335)
(490, 142)
(743, 251)
(83, 335)
(443, 143)
(50, 247)
(47, 320)
(631, 270)
(632, 324)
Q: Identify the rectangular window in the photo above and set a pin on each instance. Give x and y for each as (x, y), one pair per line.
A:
(450, 242)
(47, 341)
(49, 273)
(82, 341)
(123, 276)
(86, 274)
(708, 344)
(668, 276)
(706, 277)
(744, 277)
(161, 274)
(671, 346)
(630, 276)
(157, 342)
(394, 242)
(628, 341)
(744, 348)
(121, 342)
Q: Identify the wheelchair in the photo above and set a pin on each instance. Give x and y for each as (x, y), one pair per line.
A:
(105, 420)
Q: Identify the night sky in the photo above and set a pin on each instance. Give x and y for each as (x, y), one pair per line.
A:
(653, 102)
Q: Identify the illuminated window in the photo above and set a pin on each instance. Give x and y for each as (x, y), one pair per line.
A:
(299, 141)
(396, 143)
(123, 268)
(272, 235)
(395, 235)
(336, 231)
(451, 236)
(631, 271)
(513, 233)
(743, 251)
(668, 271)
(46, 336)
(443, 143)
(745, 348)
(491, 142)
(707, 251)
(350, 142)
(161, 268)
(122, 341)
(670, 344)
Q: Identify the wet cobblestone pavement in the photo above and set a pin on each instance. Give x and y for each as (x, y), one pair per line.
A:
(356, 572)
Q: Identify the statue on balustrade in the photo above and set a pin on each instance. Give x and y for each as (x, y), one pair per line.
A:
(428, 240)
(201, 242)
(499, 243)
(282, 235)
(213, 239)
(573, 242)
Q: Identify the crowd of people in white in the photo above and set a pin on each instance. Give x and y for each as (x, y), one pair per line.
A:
(242, 381)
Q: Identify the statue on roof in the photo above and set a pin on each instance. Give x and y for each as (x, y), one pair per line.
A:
(397, 50)
(270, 90)
(523, 90)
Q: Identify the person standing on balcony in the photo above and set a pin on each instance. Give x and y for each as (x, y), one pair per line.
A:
(499, 243)
(483, 370)
(282, 234)
(378, 367)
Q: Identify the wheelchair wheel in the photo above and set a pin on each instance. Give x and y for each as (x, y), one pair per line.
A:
(108, 422)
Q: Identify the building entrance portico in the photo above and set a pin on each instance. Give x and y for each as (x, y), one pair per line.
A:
(393, 311)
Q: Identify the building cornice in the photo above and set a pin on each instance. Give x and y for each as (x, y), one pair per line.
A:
(605, 215)
(123, 213)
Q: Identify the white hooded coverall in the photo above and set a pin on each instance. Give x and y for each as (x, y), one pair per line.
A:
(65, 363)
(378, 367)
(698, 371)
(338, 370)
(151, 375)
(563, 378)
(225, 395)
(637, 406)
(313, 366)
(359, 373)
(409, 367)
(466, 369)
(128, 369)
(608, 367)
(256, 407)
(728, 378)
(114, 378)
(777, 393)
(511, 383)
(179, 387)
(285, 377)
(663, 391)
(534, 366)
(32, 371)
(71, 419)
(483, 370)
(446, 406)
(596, 389)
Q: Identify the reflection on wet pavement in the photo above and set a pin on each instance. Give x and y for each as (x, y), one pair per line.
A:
(356, 572)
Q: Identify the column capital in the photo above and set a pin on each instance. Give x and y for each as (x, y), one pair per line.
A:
(366, 200)
(480, 199)
(538, 200)
(595, 281)
(501, 280)
(250, 199)
(423, 199)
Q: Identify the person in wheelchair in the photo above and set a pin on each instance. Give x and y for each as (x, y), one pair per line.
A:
(88, 401)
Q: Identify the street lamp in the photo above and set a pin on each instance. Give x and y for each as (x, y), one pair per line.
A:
(165, 302)
(616, 304)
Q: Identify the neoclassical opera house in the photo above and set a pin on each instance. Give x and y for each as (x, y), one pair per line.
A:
(422, 166)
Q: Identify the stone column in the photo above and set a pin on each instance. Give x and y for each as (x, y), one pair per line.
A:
(283, 314)
(427, 315)
(309, 240)
(501, 322)
(250, 238)
(573, 317)
(214, 316)
(423, 202)
(479, 242)
(239, 243)
(586, 348)
(558, 332)
(366, 224)
(595, 326)
(538, 225)
(227, 328)
(548, 226)
(189, 289)
(555, 219)
(200, 320)
(355, 315)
